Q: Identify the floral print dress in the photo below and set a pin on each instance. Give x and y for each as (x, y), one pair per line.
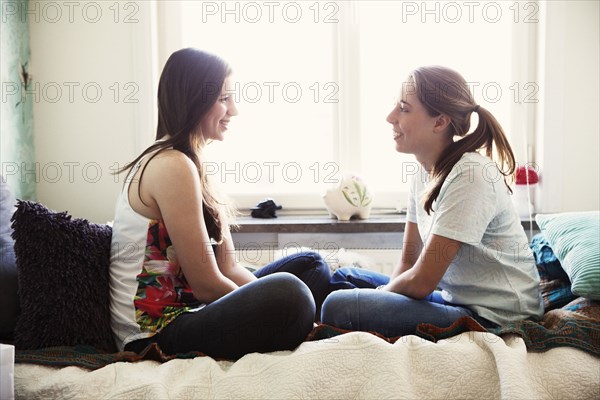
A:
(163, 292)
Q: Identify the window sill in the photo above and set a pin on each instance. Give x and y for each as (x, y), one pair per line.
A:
(325, 224)
(321, 224)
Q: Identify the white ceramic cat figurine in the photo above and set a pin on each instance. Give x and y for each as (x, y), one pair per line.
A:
(349, 198)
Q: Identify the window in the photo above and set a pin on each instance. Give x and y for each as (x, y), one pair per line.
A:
(286, 93)
(316, 80)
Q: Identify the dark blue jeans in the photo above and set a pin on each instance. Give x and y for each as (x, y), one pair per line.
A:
(310, 268)
(275, 312)
(391, 314)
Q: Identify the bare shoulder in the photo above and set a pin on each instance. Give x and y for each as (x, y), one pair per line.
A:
(171, 166)
(173, 158)
(172, 186)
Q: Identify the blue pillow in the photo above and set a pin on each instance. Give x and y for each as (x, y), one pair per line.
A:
(575, 239)
(555, 285)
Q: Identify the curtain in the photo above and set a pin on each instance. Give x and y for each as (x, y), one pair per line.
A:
(17, 153)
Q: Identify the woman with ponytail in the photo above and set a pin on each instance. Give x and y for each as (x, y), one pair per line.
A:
(465, 252)
(174, 280)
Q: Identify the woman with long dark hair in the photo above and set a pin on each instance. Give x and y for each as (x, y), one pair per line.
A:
(174, 279)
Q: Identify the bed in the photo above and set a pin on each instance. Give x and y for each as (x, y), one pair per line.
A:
(353, 365)
(66, 355)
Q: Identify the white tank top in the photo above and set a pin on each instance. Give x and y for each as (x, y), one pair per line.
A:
(147, 287)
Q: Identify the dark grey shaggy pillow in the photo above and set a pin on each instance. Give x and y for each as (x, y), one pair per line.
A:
(62, 267)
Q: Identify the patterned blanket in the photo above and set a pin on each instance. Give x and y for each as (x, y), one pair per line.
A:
(575, 325)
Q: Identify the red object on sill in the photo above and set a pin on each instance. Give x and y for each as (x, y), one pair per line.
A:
(526, 175)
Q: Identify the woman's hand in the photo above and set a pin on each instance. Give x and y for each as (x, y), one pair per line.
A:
(420, 280)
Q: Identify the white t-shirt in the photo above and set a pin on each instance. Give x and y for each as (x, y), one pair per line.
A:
(494, 272)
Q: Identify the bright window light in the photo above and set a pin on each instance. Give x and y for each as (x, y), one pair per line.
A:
(281, 141)
(398, 36)
(314, 82)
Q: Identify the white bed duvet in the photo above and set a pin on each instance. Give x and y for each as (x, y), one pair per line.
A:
(355, 365)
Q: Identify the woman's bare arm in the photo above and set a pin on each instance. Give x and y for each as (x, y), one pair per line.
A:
(171, 186)
(433, 261)
(411, 248)
(228, 265)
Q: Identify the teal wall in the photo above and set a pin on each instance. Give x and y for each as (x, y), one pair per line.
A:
(17, 153)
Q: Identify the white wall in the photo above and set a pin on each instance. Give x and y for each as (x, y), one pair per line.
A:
(72, 136)
(568, 146)
(82, 134)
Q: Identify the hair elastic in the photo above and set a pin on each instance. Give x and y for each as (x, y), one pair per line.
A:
(476, 108)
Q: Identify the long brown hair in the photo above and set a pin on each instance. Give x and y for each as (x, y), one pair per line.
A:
(442, 90)
(190, 83)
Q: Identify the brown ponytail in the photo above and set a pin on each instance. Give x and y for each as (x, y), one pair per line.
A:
(444, 91)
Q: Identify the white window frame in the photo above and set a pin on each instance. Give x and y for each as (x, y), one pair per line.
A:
(346, 130)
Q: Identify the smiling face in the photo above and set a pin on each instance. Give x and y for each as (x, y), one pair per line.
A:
(412, 125)
(215, 122)
(415, 131)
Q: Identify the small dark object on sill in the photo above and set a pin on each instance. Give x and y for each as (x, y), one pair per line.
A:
(265, 209)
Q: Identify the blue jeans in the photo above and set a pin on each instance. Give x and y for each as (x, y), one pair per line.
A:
(390, 314)
(310, 268)
(275, 312)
